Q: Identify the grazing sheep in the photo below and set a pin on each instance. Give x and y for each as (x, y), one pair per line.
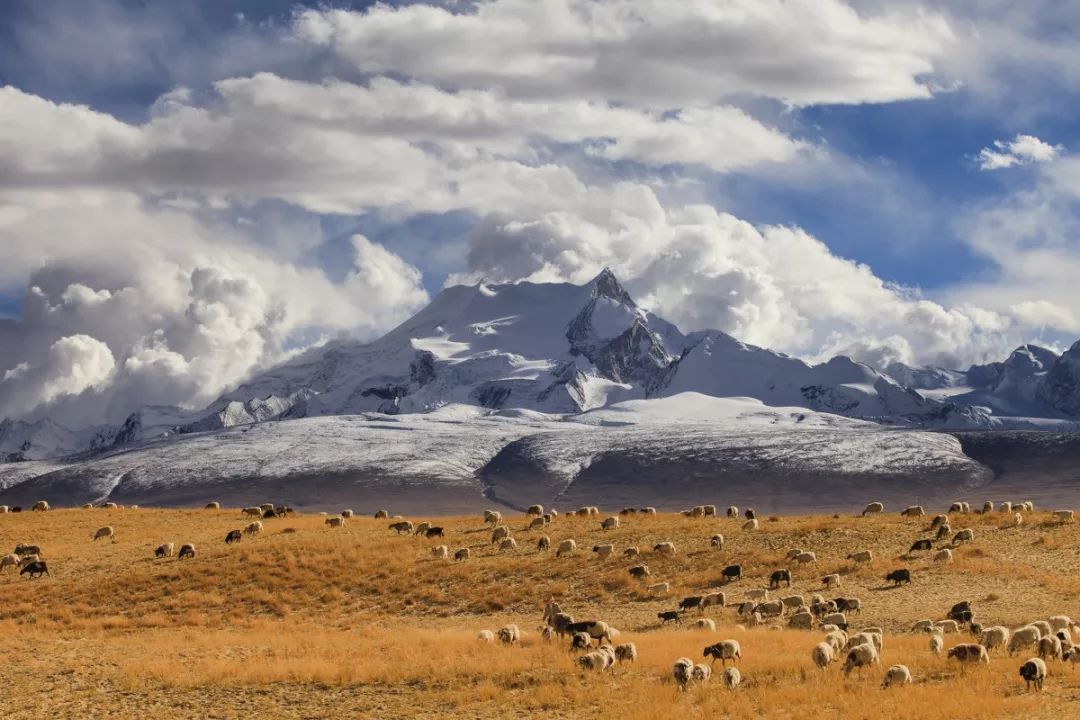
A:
(919, 545)
(611, 523)
(603, 658)
(666, 616)
(922, 626)
(537, 523)
(791, 554)
(693, 601)
(1060, 622)
(943, 531)
(560, 621)
(838, 619)
(9, 559)
(603, 551)
(596, 629)
(801, 621)
(995, 637)
(837, 640)
(382, 514)
(874, 507)
(26, 559)
(849, 605)
(1043, 626)
(660, 588)
(948, 626)
(794, 601)
(486, 636)
(344, 513)
(751, 524)
(732, 573)
(1034, 673)
(964, 536)
(1023, 638)
(862, 556)
(434, 531)
(1073, 656)
(583, 512)
(937, 644)
(252, 511)
(723, 651)
(710, 511)
(866, 637)
(957, 507)
(831, 581)
(822, 655)
(212, 505)
(704, 624)
(1006, 507)
(631, 552)
(696, 511)
(648, 511)
(1028, 506)
(566, 547)
(35, 569)
(639, 571)
(626, 652)
(334, 522)
(509, 634)
(716, 598)
(462, 554)
(420, 529)
(4, 509)
(547, 633)
(543, 544)
(943, 555)
(492, 517)
(1050, 647)
(732, 511)
(780, 576)
(757, 594)
(500, 533)
(897, 577)
(234, 536)
(187, 550)
(535, 510)
(40, 506)
(1017, 520)
(664, 548)
(164, 550)
(938, 521)
(257, 527)
(717, 542)
(806, 557)
(859, 657)
(969, 653)
(896, 675)
(683, 671)
(701, 673)
(105, 532)
(580, 641)
(750, 514)
(441, 551)
(508, 544)
(732, 678)
(1064, 516)
(913, 511)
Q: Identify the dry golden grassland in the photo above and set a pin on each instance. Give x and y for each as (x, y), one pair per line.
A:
(360, 622)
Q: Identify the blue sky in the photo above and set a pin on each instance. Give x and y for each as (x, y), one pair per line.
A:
(198, 188)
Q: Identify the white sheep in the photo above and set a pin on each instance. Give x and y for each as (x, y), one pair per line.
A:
(420, 528)
(252, 511)
(164, 550)
(704, 624)
(822, 655)
(4, 509)
(874, 507)
(806, 557)
(256, 527)
(757, 594)
(509, 634)
(715, 598)
(913, 511)
(837, 640)
(501, 532)
(1064, 516)
(682, 671)
(1028, 506)
(937, 644)
(660, 588)
(346, 514)
(1017, 520)
(10, 559)
(896, 675)
(751, 524)
(1043, 627)
(861, 556)
(831, 581)
(1006, 507)
(508, 544)
(441, 551)
(486, 636)
(610, 523)
(860, 656)
(723, 651)
(948, 626)
(537, 523)
(547, 633)
(648, 511)
(701, 673)
(717, 542)
(105, 532)
(626, 652)
(801, 621)
(1050, 647)
(492, 517)
(566, 547)
(664, 548)
(732, 678)
(944, 556)
(535, 510)
(40, 506)
(1023, 638)
(603, 551)
(988, 507)
(922, 626)
(631, 552)
(994, 637)
(732, 511)
(212, 505)
(1060, 622)
(334, 522)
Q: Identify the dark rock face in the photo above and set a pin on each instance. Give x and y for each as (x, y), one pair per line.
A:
(1060, 388)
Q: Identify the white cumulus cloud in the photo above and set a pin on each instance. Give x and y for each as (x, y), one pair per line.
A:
(1021, 150)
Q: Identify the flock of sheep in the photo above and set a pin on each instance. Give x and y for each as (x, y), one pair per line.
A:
(1051, 639)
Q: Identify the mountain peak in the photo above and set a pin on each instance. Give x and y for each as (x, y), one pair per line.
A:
(607, 285)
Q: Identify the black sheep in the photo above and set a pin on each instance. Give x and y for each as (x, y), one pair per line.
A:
(35, 569)
(896, 577)
(780, 576)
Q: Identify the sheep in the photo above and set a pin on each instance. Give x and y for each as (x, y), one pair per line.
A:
(35, 569)
(920, 545)
(806, 557)
(793, 553)
(660, 588)
(757, 594)
(704, 624)
(1043, 627)
(938, 521)
(850, 605)
(603, 658)
(441, 552)
(164, 550)
(750, 514)
(26, 559)
(988, 507)
(861, 556)
(1006, 507)
(537, 523)
(252, 511)
(420, 529)
(664, 548)
(9, 559)
(838, 619)
(794, 601)
(631, 552)
(994, 637)
(543, 544)
(922, 626)
(1017, 520)
(874, 507)
(865, 637)
(896, 577)
(693, 601)
(732, 573)
(1073, 655)
(751, 524)
(105, 532)
(40, 506)
(732, 511)
(462, 554)
(822, 655)
(1022, 638)
(666, 616)
(187, 550)
(697, 511)
(947, 626)
(234, 536)
(1034, 673)
(831, 581)
(732, 678)
(626, 652)
(1060, 622)
(717, 542)
(561, 623)
(499, 534)
(836, 639)
(486, 636)
(593, 511)
(967, 653)
(434, 531)
(723, 651)
(801, 621)
(1064, 516)
(710, 511)
(1028, 506)
(603, 551)
(212, 505)
(1050, 647)
(257, 527)
(964, 536)
(957, 507)
(896, 675)
(535, 510)
(492, 517)
(582, 512)
(596, 629)
(509, 634)
(937, 644)
(611, 523)
(913, 511)
(943, 556)
(682, 671)
(648, 511)
(508, 544)
(859, 657)
(943, 531)
(715, 598)
(639, 571)
(4, 509)
(566, 547)
(701, 673)
(334, 522)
